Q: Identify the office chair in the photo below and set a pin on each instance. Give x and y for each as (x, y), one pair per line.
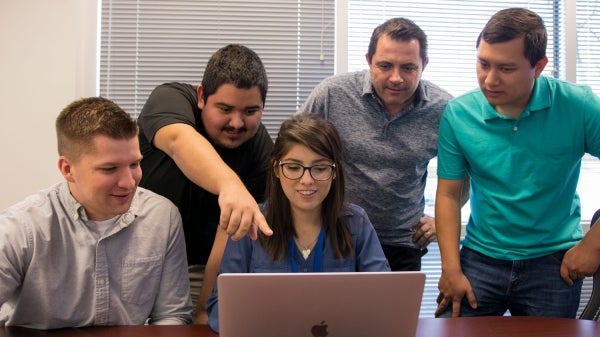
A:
(592, 308)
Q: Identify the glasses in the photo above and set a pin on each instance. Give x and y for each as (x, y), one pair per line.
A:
(295, 171)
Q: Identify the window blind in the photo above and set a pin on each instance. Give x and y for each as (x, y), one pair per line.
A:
(148, 42)
(452, 27)
(588, 43)
(587, 20)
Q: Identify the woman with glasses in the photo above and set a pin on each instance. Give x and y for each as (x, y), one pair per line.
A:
(314, 228)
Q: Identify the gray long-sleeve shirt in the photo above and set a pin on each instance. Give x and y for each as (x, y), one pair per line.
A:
(386, 157)
(57, 271)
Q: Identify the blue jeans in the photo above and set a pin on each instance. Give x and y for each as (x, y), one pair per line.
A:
(530, 287)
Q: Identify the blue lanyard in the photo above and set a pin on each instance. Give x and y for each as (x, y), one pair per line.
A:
(318, 253)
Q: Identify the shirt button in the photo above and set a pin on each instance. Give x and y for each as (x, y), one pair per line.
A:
(515, 128)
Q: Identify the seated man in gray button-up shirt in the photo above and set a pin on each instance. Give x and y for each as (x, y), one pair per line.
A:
(95, 249)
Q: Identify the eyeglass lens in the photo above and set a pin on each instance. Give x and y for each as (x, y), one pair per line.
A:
(296, 171)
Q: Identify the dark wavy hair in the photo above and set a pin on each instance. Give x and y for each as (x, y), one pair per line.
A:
(512, 23)
(320, 136)
(234, 64)
(399, 29)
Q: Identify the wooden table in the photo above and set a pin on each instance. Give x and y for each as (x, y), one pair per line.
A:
(428, 327)
(512, 326)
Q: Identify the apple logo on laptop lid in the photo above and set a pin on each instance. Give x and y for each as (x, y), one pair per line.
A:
(319, 330)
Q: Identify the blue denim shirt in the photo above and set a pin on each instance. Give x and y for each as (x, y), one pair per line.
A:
(248, 256)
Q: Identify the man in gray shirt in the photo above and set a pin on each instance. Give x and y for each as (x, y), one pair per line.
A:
(94, 249)
(388, 119)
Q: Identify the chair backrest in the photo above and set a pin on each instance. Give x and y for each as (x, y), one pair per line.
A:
(592, 308)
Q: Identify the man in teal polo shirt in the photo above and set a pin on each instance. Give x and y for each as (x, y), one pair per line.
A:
(520, 137)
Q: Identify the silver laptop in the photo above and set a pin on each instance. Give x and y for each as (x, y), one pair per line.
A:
(382, 304)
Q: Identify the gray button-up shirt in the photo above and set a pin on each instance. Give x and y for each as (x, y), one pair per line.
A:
(56, 271)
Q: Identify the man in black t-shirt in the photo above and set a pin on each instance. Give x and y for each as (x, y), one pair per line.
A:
(206, 149)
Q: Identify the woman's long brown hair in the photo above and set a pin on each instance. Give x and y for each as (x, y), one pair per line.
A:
(320, 136)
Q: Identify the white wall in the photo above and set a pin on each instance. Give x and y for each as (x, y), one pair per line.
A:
(47, 59)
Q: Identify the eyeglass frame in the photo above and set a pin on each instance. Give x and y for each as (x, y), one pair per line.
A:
(304, 168)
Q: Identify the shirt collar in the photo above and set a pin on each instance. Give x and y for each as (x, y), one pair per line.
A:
(539, 101)
(367, 86)
(420, 94)
(77, 212)
(540, 98)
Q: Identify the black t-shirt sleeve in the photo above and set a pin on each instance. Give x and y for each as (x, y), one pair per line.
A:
(168, 103)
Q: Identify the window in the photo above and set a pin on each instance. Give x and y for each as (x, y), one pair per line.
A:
(148, 42)
(452, 28)
(588, 43)
(587, 58)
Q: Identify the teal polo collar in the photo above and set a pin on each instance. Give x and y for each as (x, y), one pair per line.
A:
(539, 101)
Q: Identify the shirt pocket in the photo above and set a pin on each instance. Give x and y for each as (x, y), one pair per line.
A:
(140, 279)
